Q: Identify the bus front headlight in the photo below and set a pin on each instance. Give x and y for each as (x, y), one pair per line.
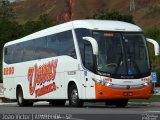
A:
(146, 84)
(108, 84)
(104, 83)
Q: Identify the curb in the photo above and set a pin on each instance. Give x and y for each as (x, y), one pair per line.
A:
(157, 104)
(139, 104)
(145, 104)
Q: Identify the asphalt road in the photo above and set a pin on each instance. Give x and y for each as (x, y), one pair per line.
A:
(90, 111)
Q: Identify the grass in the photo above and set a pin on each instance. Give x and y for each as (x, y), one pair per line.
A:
(155, 8)
(154, 98)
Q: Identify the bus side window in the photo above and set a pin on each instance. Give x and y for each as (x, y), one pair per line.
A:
(8, 54)
(52, 46)
(88, 56)
(5, 51)
(40, 48)
(67, 44)
(17, 53)
(80, 33)
(29, 50)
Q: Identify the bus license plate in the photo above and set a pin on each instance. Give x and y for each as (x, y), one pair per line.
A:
(128, 94)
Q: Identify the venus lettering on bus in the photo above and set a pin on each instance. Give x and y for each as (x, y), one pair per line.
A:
(42, 74)
(45, 89)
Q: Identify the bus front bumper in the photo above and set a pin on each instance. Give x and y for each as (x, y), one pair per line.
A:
(104, 92)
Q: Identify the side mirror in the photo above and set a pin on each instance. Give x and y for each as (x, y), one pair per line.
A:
(93, 43)
(156, 46)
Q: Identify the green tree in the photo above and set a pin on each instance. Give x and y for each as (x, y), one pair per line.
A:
(114, 15)
(44, 21)
(8, 28)
(34, 26)
(6, 11)
(153, 33)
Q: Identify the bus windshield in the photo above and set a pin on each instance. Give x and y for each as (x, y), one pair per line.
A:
(122, 53)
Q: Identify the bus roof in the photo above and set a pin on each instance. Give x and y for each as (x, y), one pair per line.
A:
(107, 25)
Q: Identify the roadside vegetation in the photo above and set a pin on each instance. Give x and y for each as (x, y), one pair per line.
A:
(154, 98)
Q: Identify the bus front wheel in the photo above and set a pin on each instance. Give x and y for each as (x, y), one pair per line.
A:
(20, 99)
(74, 100)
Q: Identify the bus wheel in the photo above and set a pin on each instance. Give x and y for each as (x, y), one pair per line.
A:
(58, 102)
(74, 100)
(121, 103)
(20, 100)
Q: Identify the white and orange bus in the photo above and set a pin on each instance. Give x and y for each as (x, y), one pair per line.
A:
(82, 60)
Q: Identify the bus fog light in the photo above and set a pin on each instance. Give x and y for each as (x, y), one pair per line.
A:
(101, 92)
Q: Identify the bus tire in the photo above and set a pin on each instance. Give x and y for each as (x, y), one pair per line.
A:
(20, 99)
(74, 100)
(122, 103)
(58, 102)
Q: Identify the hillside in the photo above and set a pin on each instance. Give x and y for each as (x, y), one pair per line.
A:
(146, 13)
